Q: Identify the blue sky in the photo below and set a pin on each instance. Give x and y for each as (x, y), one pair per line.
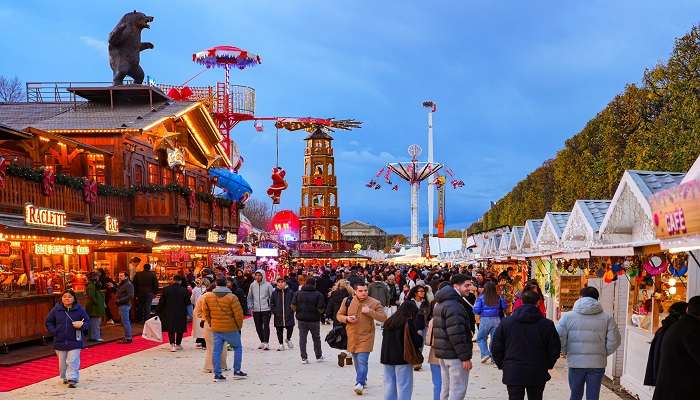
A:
(512, 80)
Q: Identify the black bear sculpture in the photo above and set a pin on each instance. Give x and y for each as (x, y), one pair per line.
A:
(125, 47)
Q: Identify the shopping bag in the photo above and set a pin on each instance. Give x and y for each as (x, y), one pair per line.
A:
(152, 330)
(337, 338)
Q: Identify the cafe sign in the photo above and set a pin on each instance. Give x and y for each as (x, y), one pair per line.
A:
(212, 236)
(676, 211)
(151, 235)
(59, 249)
(39, 216)
(111, 224)
(231, 238)
(190, 234)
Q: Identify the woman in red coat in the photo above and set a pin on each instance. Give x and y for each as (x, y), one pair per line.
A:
(535, 287)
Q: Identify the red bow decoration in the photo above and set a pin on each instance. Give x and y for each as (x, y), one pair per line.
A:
(180, 94)
(3, 171)
(90, 191)
(48, 182)
(191, 200)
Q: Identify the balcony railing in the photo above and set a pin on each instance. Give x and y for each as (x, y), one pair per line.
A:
(320, 180)
(163, 208)
(320, 212)
(318, 151)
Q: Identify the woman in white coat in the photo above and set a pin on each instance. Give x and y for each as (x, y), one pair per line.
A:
(197, 331)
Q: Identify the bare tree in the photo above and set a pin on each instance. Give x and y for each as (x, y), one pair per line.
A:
(258, 212)
(11, 90)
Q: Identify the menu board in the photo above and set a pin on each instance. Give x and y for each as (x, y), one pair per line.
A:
(569, 291)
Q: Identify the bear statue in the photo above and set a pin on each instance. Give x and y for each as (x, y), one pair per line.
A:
(125, 47)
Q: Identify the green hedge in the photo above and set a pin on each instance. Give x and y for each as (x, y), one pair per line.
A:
(653, 126)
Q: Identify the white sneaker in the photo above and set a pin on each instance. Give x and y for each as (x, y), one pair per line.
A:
(262, 346)
(358, 389)
(179, 347)
(266, 346)
(289, 344)
(280, 348)
(321, 359)
(173, 348)
(304, 361)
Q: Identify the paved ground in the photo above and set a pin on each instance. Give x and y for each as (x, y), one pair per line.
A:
(159, 374)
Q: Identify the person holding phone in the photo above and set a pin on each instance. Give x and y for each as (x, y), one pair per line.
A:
(68, 323)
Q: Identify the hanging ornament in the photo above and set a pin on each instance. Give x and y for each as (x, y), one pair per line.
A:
(609, 276)
(191, 200)
(48, 182)
(278, 184)
(679, 270)
(655, 265)
(3, 170)
(618, 268)
(259, 127)
(89, 191)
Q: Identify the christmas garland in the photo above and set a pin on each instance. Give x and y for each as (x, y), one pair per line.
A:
(76, 183)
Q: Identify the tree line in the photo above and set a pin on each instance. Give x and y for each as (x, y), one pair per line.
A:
(651, 126)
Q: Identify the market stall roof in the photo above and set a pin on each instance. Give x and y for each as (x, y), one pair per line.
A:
(8, 133)
(516, 239)
(628, 218)
(504, 245)
(584, 222)
(549, 235)
(532, 229)
(444, 245)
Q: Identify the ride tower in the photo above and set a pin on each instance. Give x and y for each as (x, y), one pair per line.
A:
(319, 215)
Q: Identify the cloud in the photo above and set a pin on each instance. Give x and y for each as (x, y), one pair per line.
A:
(366, 156)
(97, 44)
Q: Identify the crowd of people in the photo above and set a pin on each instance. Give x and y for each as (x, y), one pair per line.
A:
(446, 309)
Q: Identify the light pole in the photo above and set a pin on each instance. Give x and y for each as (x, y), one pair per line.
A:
(432, 107)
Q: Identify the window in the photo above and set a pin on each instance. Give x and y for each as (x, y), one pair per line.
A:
(96, 167)
(153, 174)
(167, 176)
(330, 169)
(138, 175)
(319, 233)
(51, 163)
(332, 199)
(180, 178)
(318, 169)
(202, 185)
(318, 200)
(191, 182)
(334, 232)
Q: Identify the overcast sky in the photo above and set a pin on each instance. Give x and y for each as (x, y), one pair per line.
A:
(512, 79)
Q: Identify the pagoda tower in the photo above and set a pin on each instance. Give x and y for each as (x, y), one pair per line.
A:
(319, 216)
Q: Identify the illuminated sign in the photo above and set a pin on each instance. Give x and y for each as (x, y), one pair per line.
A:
(5, 248)
(190, 234)
(212, 236)
(60, 249)
(231, 238)
(316, 245)
(44, 216)
(176, 158)
(111, 224)
(151, 235)
(676, 211)
(260, 252)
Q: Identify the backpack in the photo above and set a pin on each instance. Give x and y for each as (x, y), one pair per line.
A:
(337, 338)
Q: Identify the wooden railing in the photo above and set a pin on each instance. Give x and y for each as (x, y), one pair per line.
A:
(18, 191)
(318, 151)
(172, 209)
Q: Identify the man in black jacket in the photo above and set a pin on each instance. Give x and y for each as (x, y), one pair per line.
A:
(525, 346)
(679, 366)
(308, 304)
(452, 337)
(145, 286)
(125, 295)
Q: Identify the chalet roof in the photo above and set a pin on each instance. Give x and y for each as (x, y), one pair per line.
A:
(86, 116)
(651, 182)
(558, 220)
(517, 235)
(505, 242)
(532, 227)
(319, 133)
(22, 115)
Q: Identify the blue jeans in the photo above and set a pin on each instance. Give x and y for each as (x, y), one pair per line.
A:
(95, 333)
(486, 328)
(190, 311)
(69, 364)
(590, 377)
(126, 322)
(437, 380)
(398, 382)
(361, 362)
(232, 338)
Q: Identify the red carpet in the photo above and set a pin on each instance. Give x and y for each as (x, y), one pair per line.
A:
(31, 372)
